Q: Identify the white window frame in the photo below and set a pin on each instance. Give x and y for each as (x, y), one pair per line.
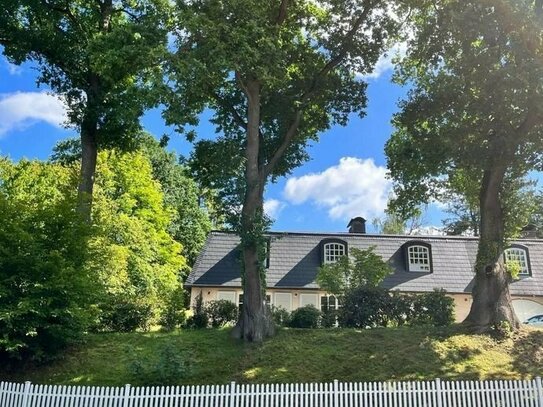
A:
(337, 305)
(519, 254)
(339, 249)
(224, 294)
(419, 258)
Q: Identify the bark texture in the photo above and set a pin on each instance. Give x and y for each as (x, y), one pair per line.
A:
(255, 322)
(492, 304)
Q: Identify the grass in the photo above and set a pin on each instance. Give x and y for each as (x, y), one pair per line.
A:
(293, 356)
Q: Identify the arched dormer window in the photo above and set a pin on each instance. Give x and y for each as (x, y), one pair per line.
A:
(332, 250)
(519, 254)
(418, 257)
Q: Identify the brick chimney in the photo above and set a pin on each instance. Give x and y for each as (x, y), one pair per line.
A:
(357, 225)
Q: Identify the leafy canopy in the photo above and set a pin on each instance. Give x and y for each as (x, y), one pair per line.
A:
(362, 268)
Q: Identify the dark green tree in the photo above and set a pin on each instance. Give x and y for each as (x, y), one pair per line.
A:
(477, 77)
(101, 56)
(275, 74)
(46, 295)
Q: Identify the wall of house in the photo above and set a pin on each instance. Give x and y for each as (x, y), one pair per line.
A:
(462, 301)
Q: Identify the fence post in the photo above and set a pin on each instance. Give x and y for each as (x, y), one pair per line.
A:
(439, 394)
(126, 395)
(232, 401)
(539, 386)
(336, 393)
(26, 394)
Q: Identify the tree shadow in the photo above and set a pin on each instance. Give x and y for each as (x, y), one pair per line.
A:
(528, 352)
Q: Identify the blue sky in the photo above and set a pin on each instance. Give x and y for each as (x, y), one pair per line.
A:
(345, 177)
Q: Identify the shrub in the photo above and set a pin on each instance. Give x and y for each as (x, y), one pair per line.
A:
(281, 317)
(434, 308)
(173, 315)
(365, 307)
(221, 312)
(120, 316)
(199, 318)
(168, 368)
(305, 317)
(329, 318)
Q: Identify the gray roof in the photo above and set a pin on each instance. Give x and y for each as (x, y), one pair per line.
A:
(295, 258)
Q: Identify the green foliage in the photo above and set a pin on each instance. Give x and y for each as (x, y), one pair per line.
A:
(167, 368)
(434, 308)
(174, 313)
(514, 268)
(368, 307)
(101, 56)
(221, 312)
(305, 317)
(118, 314)
(280, 316)
(190, 223)
(131, 252)
(199, 318)
(46, 294)
(364, 307)
(469, 124)
(361, 268)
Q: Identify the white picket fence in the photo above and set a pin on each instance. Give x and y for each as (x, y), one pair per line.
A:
(436, 393)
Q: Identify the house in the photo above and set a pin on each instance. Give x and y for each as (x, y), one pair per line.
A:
(420, 264)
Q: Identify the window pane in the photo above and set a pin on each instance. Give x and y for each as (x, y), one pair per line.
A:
(283, 300)
(418, 258)
(333, 251)
(227, 295)
(518, 255)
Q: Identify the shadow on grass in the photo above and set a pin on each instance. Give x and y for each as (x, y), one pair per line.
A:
(528, 353)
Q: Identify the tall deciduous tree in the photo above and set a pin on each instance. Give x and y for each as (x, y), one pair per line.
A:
(477, 74)
(97, 54)
(275, 73)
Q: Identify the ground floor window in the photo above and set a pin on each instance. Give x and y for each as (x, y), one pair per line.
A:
(329, 302)
(240, 300)
(227, 295)
(283, 300)
(309, 299)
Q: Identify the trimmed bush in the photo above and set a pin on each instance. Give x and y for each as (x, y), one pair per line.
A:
(305, 317)
(281, 317)
(434, 308)
(221, 312)
(365, 307)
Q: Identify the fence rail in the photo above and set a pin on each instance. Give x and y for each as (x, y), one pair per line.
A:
(436, 393)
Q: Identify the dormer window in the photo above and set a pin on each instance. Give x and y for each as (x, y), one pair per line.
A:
(418, 257)
(518, 254)
(332, 250)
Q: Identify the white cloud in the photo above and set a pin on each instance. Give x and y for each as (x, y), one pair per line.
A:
(272, 207)
(22, 109)
(354, 187)
(384, 63)
(12, 68)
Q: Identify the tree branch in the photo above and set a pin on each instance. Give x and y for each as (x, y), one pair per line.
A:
(289, 136)
(281, 17)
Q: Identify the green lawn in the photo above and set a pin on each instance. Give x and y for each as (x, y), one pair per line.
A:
(293, 356)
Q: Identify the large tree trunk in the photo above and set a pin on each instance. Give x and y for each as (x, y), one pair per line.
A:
(255, 321)
(491, 305)
(89, 154)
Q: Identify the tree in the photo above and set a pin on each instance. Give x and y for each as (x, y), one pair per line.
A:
(477, 81)
(191, 223)
(363, 268)
(131, 251)
(100, 56)
(46, 295)
(276, 74)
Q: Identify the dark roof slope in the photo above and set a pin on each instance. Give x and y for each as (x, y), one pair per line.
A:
(295, 258)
